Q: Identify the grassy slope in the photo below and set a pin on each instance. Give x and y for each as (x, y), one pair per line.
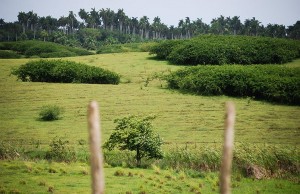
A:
(180, 118)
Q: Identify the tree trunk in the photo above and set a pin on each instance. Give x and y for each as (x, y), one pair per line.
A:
(121, 27)
(142, 34)
(138, 157)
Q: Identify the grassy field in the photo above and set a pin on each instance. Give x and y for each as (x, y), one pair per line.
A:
(182, 119)
(44, 177)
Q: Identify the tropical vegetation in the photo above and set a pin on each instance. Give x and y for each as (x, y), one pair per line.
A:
(35, 48)
(94, 28)
(62, 71)
(218, 50)
(270, 83)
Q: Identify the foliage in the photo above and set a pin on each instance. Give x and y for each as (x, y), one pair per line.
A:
(60, 151)
(61, 71)
(50, 113)
(277, 161)
(164, 48)
(219, 50)
(43, 49)
(8, 151)
(270, 83)
(9, 55)
(136, 134)
(127, 47)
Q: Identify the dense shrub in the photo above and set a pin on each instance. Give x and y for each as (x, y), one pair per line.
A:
(270, 83)
(9, 55)
(60, 71)
(127, 47)
(164, 48)
(43, 49)
(50, 113)
(60, 151)
(211, 49)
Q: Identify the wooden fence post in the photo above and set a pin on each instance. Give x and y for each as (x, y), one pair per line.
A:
(96, 157)
(227, 149)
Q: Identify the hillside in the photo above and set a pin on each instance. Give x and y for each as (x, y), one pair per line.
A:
(198, 119)
(191, 126)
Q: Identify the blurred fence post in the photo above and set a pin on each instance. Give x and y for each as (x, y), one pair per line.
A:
(227, 149)
(96, 157)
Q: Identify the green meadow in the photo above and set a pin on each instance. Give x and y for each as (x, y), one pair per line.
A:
(182, 120)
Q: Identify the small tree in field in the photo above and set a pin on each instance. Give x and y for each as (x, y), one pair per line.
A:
(136, 134)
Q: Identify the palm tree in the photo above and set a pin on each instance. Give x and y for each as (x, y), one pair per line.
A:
(104, 18)
(63, 23)
(121, 19)
(94, 18)
(34, 23)
(234, 24)
(254, 26)
(110, 14)
(187, 25)
(171, 30)
(22, 18)
(134, 24)
(127, 23)
(275, 31)
(84, 16)
(156, 27)
(72, 21)
(201, 27)
(294, 31)
(218, 25)
(144, 26)
(181, 27)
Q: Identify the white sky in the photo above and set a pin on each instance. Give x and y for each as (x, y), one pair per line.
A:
(285, 12)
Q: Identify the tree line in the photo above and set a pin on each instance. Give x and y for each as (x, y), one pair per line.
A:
(88, 28)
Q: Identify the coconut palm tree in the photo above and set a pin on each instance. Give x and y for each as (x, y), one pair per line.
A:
(144, 27)
(121, 19)
(134, 25)
(23, 18)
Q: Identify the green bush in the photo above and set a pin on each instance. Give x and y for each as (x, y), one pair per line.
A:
(127, 47)
(9, 55)
(271, 83)
(60, 151)
(50, 113)
(43, 49)
(61, 71)
(164, 48)
(218, 50)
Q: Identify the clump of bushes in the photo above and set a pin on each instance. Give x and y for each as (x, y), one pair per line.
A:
(212, 49)
(50, 113)
(271, 83)
(127, 47)
(60, 151)
(163, 49)
(43, 49)
(62, 71)
(9, 55)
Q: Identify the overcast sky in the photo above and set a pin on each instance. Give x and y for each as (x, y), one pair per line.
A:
(284, 12)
